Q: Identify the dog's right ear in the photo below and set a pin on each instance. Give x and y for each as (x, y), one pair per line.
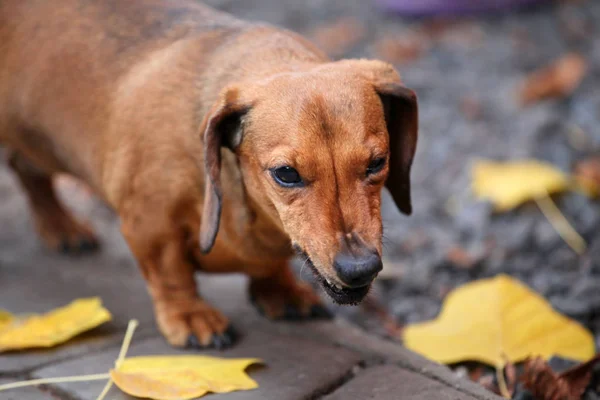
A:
(402, 119)
(222, 127)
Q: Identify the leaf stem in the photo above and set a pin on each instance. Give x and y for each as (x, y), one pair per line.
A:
(63, 379)
(560, 223)
(502, 383)
(126, 342)
(122, 353)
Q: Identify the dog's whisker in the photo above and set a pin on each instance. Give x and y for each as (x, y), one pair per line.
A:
(302, 267)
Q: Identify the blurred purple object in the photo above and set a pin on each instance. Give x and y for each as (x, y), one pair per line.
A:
(434, 7)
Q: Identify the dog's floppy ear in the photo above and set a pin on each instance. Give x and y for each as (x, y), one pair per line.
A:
(402, 120)
(221, 127)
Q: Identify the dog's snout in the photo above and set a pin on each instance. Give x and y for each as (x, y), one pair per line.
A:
(357, 271)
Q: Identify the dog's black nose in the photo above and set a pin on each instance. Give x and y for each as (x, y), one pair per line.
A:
(357, 271)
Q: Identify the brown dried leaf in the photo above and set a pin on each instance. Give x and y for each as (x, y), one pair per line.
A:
(335, 38)
(545, 384)
(580, 375)
(399, 49)
(437, 27)
(466, 259)
(388, 322)
(461, 258)
(559, 79)
(465, 35)
(587, 174)
(476, 373)
(487, 381)
(471, 108)
(510, 372)
(415, 241)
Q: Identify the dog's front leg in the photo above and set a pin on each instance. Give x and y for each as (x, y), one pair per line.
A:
(183, 317)
(281, 296)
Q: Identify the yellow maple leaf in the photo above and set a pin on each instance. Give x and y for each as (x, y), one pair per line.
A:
(497, 320)
(509, 184)
(52, 328)
(181, 377)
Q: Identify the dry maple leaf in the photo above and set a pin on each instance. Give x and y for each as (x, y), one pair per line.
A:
(559, 79)
(335, 38)
(545, 384)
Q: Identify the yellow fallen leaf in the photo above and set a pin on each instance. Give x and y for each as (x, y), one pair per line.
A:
(181, 377)
(509, 184)
(5, 319)
(497, 320)
(163, 377)
(54, 327)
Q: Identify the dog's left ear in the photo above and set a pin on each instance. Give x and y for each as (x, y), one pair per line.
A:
(222, 127)
(402, 120)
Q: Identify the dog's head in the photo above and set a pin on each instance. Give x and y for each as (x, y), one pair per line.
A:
(315, 149)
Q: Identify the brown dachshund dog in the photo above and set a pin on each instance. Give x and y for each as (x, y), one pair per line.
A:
(224, 146)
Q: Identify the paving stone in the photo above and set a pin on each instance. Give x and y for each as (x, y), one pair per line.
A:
(36, 280)
(28, 393)
(388, 382)
(374, 348)
(43, 282)
(294, 369)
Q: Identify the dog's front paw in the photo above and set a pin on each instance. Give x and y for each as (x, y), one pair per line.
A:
(197, 325)
(293, 301)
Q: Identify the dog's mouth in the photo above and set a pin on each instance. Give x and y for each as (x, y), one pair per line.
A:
(340, 295)
(343, 295)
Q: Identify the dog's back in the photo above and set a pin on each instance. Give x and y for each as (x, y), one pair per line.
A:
(63, 65)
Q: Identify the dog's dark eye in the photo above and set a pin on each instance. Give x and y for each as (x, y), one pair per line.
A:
(375, 166)
(287, 176)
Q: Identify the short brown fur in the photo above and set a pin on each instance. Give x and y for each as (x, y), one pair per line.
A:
(175, 115)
